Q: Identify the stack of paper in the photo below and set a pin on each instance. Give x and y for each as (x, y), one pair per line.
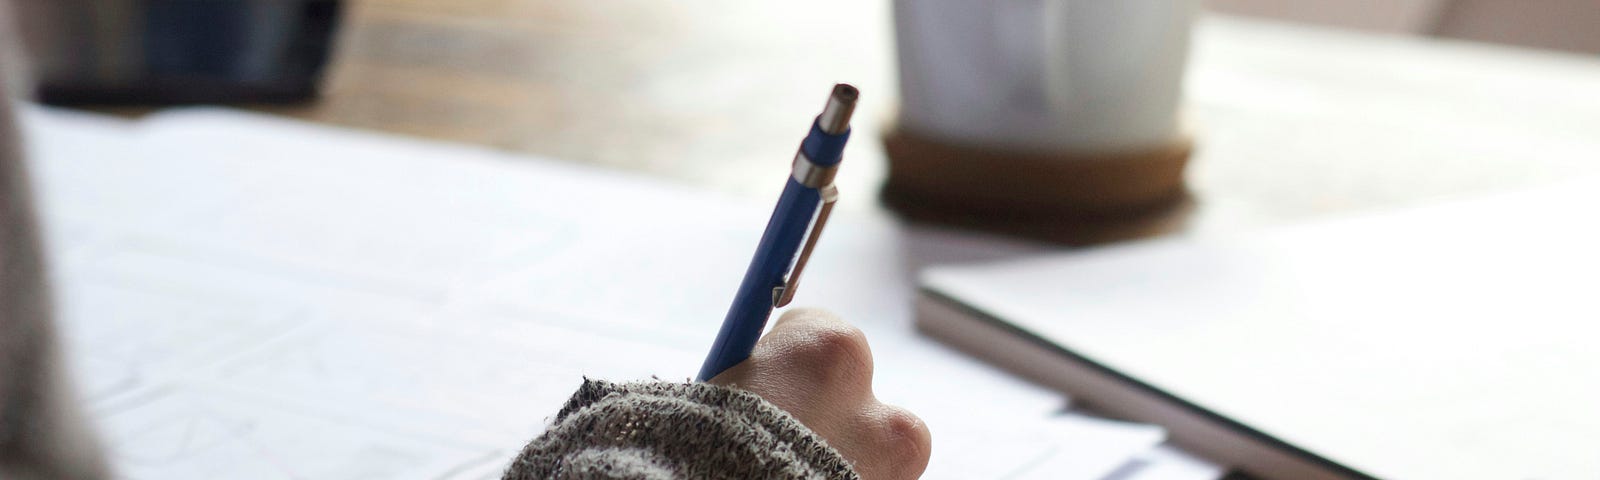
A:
(247, 297)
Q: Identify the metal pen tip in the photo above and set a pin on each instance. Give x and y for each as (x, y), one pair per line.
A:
(835, 117)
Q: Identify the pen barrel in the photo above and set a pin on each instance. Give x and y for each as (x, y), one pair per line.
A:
(822, 148)
(820, 153)
(753, 303)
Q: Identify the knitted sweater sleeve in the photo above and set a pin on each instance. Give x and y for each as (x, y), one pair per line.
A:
(663, 430)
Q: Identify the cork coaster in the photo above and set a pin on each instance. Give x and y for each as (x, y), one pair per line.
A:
(1074, 199)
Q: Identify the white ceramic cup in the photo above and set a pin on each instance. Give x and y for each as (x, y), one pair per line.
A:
(1043, 75)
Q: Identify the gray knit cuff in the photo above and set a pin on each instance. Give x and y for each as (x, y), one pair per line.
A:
(664, 430)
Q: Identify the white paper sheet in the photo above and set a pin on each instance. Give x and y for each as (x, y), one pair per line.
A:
(1068, 446)
(201, 433)
(1166, 462)
(307, 302)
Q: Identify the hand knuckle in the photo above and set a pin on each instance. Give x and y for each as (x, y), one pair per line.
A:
(907, 438)
(840, 346)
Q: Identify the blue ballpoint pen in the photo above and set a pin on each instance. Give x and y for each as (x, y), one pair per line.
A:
(807, 198)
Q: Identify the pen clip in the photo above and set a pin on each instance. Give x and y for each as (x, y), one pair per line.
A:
(782, 294)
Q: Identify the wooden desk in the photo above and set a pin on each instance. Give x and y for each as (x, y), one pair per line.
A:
(1292, 122)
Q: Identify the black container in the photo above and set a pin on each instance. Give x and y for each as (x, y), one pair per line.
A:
(130, 52)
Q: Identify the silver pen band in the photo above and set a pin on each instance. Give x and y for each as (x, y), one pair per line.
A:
(812, 175)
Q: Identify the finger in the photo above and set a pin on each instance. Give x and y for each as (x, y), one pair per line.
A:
(770, 351)
(737, 376)
(900, 442)
(803, 337)
(821, 348)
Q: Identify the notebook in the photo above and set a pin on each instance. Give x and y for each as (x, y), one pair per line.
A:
(250, 297)
(1448, 341)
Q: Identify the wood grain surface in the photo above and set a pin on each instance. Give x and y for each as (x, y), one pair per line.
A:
(1291, 123)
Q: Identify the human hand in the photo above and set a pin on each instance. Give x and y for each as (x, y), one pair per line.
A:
(818, 368)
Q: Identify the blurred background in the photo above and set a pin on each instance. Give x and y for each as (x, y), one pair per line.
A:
(1297, 110)
(711, 91)
(1553, 24)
